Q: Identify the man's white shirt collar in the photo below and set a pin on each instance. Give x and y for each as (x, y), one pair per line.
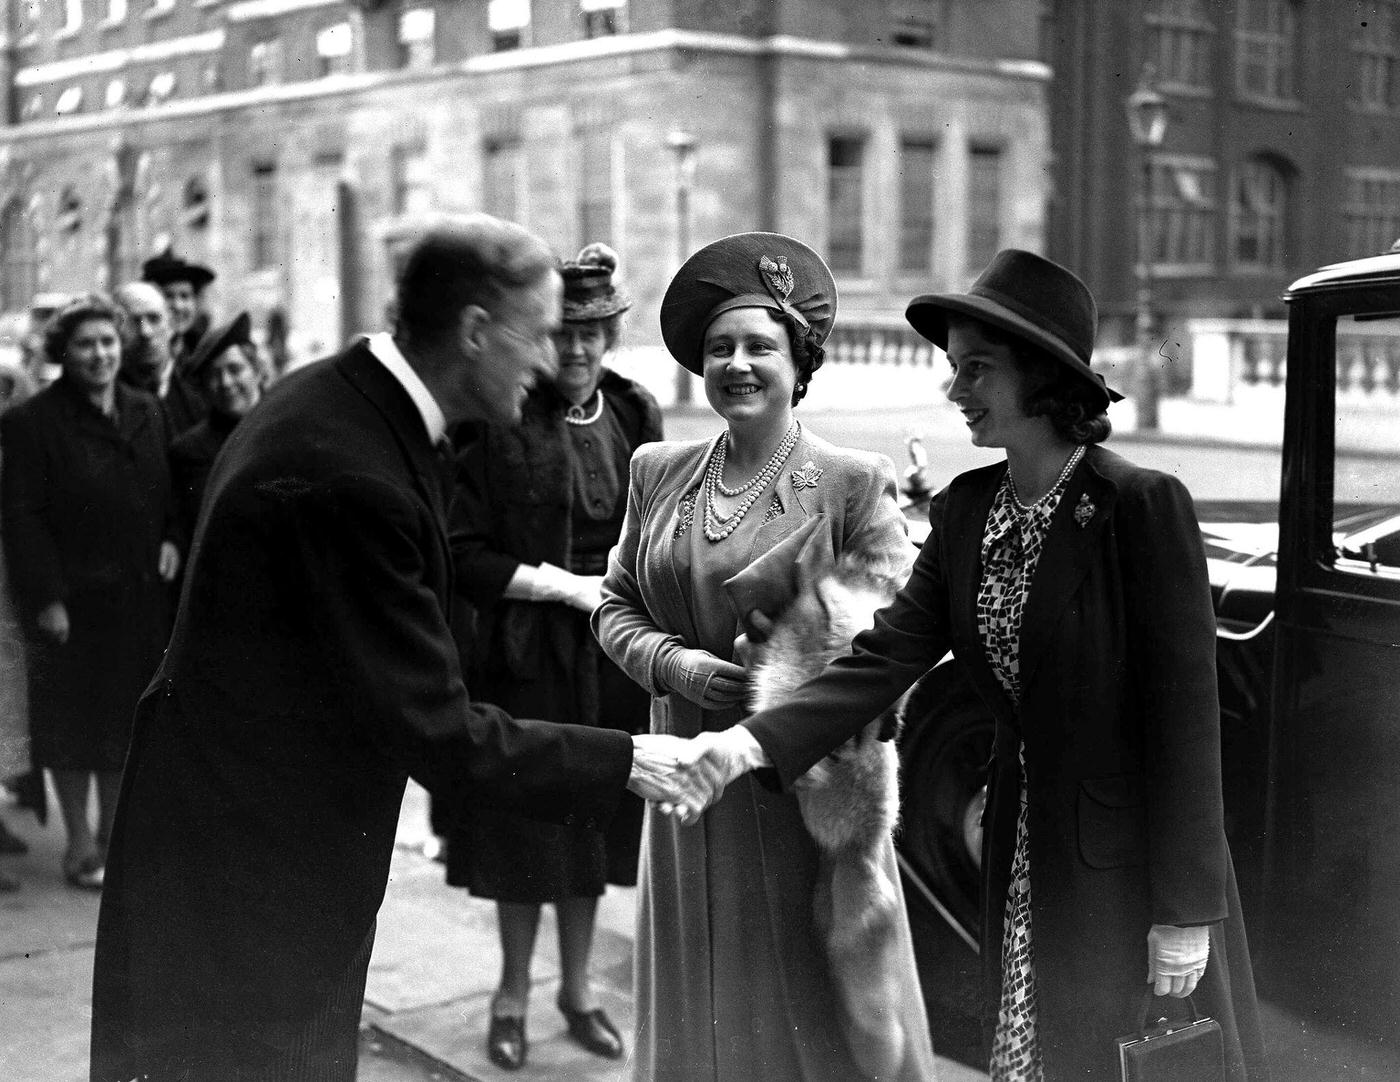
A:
(387, 353)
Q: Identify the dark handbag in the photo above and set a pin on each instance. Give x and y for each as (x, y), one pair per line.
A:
(1167, 1051)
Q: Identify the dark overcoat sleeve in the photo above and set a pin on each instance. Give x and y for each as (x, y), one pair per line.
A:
(1171, 653)
(383, 631)
(31, 551)
(908, 638)
(483, 569)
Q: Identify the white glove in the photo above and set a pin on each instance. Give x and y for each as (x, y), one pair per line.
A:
(701, 677)
(550, 583)
(1176, 958)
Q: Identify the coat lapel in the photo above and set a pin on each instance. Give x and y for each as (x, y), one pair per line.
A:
(662, 516)
(1070, 547)
(964, 523)
(798, 505)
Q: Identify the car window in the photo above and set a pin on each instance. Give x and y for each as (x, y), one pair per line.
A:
(1366, 483)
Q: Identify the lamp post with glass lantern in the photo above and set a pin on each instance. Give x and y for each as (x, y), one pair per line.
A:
(1147, 121)
(682, 145)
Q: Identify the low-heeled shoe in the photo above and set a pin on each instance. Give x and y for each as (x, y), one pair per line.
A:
(594, 1030)
(505, 1042)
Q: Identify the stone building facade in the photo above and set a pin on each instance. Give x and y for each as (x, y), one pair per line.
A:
(293, 144)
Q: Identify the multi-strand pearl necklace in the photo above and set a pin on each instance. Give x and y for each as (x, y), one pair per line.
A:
(574, 414)
(718, 525)
(1025, 509)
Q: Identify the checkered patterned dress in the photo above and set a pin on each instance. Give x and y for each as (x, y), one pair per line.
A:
(1011, 545)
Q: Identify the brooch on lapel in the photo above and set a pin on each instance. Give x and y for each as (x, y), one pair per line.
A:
(807, 476)
(1084, 510)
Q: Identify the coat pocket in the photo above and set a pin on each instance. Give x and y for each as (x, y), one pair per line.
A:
(1112, 821)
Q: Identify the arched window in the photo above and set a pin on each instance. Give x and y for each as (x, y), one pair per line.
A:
(1259, 215)
(69, 219)
(16, 257)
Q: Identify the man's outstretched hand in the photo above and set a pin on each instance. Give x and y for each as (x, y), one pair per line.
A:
(684, 777)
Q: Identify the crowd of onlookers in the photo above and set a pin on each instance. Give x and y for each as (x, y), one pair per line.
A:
(107, 434)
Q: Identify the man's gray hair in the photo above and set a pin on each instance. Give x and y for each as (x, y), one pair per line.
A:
(476, 259)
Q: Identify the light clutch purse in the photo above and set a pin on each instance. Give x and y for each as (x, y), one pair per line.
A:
(1170, 1051)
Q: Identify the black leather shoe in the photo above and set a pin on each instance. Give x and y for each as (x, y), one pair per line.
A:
(594, 1030)
(505, 1042)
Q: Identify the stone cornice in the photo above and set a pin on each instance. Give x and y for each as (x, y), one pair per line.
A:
(78, 67)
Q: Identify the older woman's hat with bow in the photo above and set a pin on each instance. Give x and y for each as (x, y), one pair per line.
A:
(746, 270)
(167, 267)
(236, 332)
(589, 291)
(1030, 298)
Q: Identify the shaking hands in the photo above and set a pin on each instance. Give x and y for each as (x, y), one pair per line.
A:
(684, 777)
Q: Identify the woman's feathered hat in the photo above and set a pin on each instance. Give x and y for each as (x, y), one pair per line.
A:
(589, 290)
(1030, 298)
(746, 270)
(237, 331)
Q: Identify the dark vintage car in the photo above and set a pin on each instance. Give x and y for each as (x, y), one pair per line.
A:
(1308, 655)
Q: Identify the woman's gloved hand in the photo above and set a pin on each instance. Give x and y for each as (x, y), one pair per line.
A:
(701, 677)
(1176, 958)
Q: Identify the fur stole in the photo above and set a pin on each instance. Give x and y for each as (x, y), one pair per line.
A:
(849, 802)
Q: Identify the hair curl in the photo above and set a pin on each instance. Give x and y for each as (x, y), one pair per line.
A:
(63, 323)
(807, 352)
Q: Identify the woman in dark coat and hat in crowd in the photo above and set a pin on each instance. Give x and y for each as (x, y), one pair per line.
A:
(1072, 586)
(734, 976)
(89, 524)
(232, 375)
(535, 511)
(183, 284)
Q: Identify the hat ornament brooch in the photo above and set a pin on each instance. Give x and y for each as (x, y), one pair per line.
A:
(777, 278)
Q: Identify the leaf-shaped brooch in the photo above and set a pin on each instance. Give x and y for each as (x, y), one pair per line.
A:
(1084, 511)
(806, 477)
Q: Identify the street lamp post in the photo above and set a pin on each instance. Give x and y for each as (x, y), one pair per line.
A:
(682, 145)
(1147, 121)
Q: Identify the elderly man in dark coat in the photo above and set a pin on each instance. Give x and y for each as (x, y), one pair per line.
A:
(147, 361)
(311, 671)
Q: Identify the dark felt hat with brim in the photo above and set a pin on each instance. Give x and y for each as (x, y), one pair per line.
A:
(746, 270)
(589, 291)
(1030, 298)
(167, 267)
(237, 331)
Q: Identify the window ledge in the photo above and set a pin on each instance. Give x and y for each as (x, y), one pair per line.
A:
(1183, 270)
(68, 33)
(1277, 105)
(1185, 90)
(1253, 271)
(111, 24)
(1363, 108)
(154, 13)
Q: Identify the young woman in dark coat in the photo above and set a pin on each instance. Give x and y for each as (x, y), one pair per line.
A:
(89, 528)
(535, 512)
(1072, 586)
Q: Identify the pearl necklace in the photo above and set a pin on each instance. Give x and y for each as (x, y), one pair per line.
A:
(574, 414)
(1025, 509)
(718, 525)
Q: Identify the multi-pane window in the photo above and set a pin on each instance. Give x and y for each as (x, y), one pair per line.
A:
(263, 232)
(30, 12)
(916, 24)
(1258, 215)
(983, 206)
(508, 21)
(603, 18)
(115, 94)
(411, 179)
(70, 101)
(845, 203)
(161, 88)
(916, 168)
(72, 16)
(417, 34)
(1376, 43)
(1265, 49)
(1180, 39)
(1371, 212)
(503, 171)
(194, 204)
(116, 11)
(596, 186)
(17, 277)
(335, 47)
(1183, 195)
(265, 62)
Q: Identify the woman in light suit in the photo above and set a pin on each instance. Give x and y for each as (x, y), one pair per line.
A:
(1072, 586)
(731, 981)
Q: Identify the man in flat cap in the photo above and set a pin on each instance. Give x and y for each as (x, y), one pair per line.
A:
(310, 673)
(183, 284)
(147, 361)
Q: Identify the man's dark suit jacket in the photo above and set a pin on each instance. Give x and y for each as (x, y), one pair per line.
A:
(311, 671)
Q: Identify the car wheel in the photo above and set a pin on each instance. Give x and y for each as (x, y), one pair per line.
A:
(944, 750)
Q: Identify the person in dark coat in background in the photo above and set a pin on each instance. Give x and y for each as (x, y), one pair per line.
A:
(232, 375)
(183, 284)
(88, 529)
(1072, 586)
(310, 673)
(536, 509)
(147, 363)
